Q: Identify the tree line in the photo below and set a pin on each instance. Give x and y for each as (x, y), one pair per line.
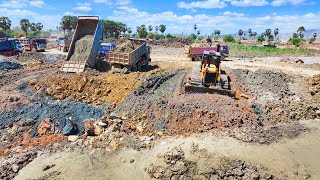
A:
(25, 25)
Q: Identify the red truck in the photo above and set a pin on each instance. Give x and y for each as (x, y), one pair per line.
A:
(195, 53)
(6, 48)
(33, 44)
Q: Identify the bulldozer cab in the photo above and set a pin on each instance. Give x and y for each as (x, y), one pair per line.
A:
(210, 58)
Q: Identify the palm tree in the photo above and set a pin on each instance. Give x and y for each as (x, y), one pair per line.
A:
(218, 32)
(198, 33)
(195, 28)
(5, 23)
(25, 25)
(129, 31)
(301, 30)
(39, 26)
(162, 28)
(267, 33)
(240, 33)
(276, 32)
(250, 32)
(157, 29)
(295, 35)
(314, 35)
(150, 28)
(33, 27)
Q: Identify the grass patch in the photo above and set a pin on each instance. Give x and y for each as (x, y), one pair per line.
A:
(239, 50)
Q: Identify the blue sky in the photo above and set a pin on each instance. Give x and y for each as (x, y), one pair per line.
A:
(179, 15)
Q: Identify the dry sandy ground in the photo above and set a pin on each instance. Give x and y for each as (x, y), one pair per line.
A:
(287, 159)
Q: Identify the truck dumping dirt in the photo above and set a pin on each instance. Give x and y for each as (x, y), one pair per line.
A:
(82, 49)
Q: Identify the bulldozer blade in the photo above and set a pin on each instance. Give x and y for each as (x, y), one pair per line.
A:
(210, 90)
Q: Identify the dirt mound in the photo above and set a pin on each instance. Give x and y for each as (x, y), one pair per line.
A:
(10, 101)
(267, 135)
(58, 111)
(31, 56)
(9, 167)
(109, 88)
(175, 113)
(127, 47)
(177, 166)
(265, 83)
(175, 42)
(314, 84)
(9, 65)
(82, 48)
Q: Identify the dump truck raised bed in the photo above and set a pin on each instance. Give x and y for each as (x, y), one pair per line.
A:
(195, 53)
(133, 60)
(84, 45)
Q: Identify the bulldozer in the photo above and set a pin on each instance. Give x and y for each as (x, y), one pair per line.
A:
(211, 78)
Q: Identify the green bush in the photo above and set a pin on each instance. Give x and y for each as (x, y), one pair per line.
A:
(296, 41)
(159, 36)
(260, 39)
(228, 38)
(193, 36)
(169, 36)
(312, 40)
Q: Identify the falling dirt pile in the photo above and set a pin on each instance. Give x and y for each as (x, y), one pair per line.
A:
(203, 165)
(126, 47)
(82, 49)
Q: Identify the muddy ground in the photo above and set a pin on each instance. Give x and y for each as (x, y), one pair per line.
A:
(145, 124)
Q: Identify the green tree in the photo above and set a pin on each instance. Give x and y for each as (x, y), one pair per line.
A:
(5, 23)
(250, 32)
(162, 28)
(150, 28)
(25, 25)
(193, 36)
(228, 38)
(267, 33)
(276, 32)
(68, 23)
(142, 31)
(157, 29)
(198, 33)
(301, 30)
(315, 35)
(217, 32)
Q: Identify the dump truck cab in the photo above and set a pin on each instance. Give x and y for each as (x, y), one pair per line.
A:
(105, 49)
(6, 48)
(16, 45)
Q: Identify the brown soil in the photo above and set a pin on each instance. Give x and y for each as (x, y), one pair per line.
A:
(314, 90)
(82, 49)
(11, 101)
(111, 87)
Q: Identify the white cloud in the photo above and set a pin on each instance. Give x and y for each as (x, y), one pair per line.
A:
(248, 3)
(208, 4)
(83, 7)
(14, 3)
(227, 22)
(285, 2)
(228, 13)
(37, 3)
(113, 2)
